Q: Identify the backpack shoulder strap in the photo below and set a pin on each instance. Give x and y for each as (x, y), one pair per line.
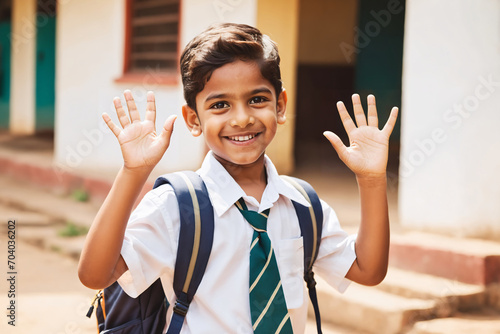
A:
(311, 226)
(195, 236)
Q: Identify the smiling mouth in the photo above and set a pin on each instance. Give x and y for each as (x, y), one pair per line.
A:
(242, 138)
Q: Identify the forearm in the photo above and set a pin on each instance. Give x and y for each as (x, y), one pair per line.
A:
(372, 243)
(102, 247)
(367, 158)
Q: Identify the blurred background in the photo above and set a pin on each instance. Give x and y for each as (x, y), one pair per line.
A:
(63, 61)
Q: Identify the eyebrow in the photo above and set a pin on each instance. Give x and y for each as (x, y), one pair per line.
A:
(217, 96)
(261, 90)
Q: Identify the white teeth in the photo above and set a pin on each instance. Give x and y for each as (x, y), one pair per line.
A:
(241, 138)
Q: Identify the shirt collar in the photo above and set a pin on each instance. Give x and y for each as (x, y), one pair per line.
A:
(224, 191)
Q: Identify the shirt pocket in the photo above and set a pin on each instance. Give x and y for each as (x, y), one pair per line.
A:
(291, 267)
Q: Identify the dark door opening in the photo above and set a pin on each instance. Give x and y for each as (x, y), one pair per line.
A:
(345, 47)
(5, 31)
(45, 66)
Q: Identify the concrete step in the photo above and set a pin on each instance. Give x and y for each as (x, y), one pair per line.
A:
(466, 260)
(371, 310)
(401, 300)
(485, 322)
(450, 296)
(328, 328)
(19, 195)
(41, 230)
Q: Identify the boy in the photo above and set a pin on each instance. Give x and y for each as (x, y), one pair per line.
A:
(232, 87)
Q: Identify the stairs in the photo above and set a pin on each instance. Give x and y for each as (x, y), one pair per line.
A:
(444, 281)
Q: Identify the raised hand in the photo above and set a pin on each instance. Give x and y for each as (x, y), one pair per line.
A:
(141, 146)
(368, 151)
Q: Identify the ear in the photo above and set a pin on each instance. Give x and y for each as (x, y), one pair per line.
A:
(281, 107)
(192, 120)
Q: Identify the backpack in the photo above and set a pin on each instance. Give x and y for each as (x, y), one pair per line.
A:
(118, 313)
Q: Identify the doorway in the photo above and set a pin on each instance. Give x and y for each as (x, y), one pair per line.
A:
(45, 65)
(345, 47)
(5, 31)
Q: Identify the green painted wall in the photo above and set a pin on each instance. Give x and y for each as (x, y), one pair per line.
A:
(45, 72)
(5, 29)
(379, 57)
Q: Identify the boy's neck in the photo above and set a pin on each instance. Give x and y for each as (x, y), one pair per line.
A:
(252, 178)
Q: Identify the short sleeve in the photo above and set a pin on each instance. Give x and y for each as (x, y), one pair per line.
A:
(337, 252)
(150, 242)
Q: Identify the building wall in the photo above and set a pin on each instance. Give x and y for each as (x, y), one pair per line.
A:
(449, 180)
(89, 57)
(279, 20)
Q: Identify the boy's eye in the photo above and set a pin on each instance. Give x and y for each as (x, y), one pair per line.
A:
(219, 105)
(258, 99)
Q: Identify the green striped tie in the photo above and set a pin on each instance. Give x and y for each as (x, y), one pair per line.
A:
(267, 301)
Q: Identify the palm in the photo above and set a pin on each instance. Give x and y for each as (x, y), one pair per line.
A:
(141, 146)
(368, 150)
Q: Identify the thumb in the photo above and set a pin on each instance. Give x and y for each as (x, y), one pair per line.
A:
(337, 144)
(168, 128)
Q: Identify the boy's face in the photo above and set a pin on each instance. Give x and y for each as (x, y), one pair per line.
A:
(238, 113)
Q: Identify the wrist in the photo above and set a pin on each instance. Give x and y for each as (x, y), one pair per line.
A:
(372, 180)
(137, 173)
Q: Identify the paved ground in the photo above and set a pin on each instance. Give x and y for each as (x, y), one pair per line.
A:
(49, 296)
(483, 322)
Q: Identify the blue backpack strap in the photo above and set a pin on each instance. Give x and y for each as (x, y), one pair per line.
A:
(195, 239)
(311, 226)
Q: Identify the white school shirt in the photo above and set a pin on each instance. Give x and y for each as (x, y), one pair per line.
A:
(221, 303)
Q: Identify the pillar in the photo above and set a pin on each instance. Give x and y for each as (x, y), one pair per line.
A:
(23, 62)
(280, 20)
(450, 140)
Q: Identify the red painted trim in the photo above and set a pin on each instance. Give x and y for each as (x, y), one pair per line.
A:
(179, 38)
(150, 79)
(61, 181)
(128, 35)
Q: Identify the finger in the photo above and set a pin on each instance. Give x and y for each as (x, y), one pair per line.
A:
(359, 114)
(132, 108)
(337, 144)
(372, 111)
(345, 117)
(120, 112)
(168, 128)
(151, 107)
(391, 122)
(112, 126)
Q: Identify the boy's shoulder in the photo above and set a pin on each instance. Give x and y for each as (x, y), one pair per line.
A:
(160, 194)
(164, 190)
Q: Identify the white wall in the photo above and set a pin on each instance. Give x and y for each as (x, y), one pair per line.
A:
(89, 57)
(199, 14)
(450, 143)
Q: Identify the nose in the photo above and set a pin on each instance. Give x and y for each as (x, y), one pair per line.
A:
(241, 117)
